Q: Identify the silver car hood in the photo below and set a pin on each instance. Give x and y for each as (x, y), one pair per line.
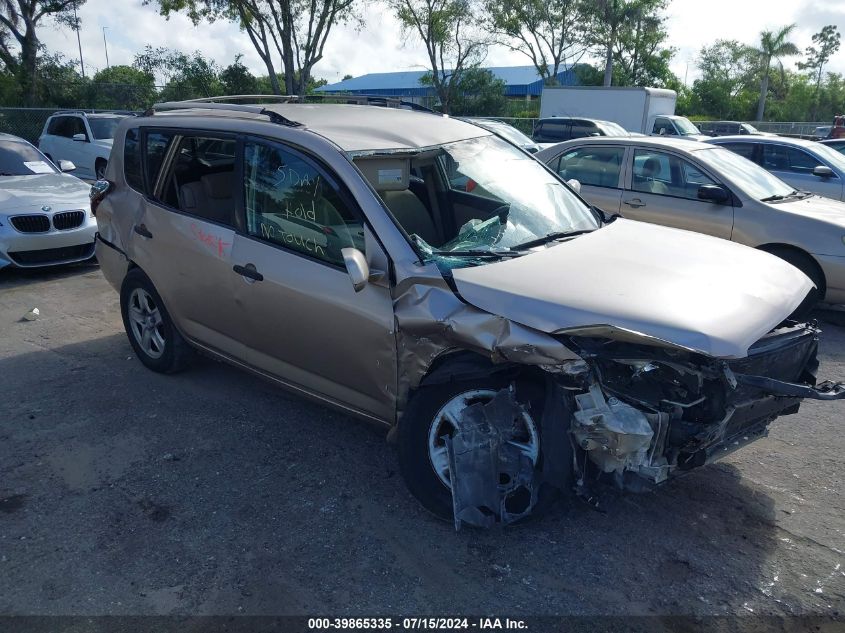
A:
(640, 281)
(817, 207)
(22, 194)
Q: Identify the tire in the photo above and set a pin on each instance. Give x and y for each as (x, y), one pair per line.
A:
(100, 169)
(809, 267)
(416, 465)
(165, 351)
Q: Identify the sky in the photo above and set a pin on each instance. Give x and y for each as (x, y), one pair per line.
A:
(379, 45)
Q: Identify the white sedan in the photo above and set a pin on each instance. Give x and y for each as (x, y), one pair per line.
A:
(45, 215)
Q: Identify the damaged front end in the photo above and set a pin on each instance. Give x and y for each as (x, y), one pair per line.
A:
(633, 413)
(646, 411)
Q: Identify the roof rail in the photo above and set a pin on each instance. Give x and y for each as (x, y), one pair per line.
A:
(360, 99)
(209, 104)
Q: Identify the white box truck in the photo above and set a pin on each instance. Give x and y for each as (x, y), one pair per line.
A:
(642, 110)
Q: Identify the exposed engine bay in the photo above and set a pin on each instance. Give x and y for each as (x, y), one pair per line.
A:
(638, 414)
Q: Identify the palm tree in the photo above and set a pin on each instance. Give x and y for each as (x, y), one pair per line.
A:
(773, 46)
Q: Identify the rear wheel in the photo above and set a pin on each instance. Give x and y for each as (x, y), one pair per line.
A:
(809, 267)
(151, 332)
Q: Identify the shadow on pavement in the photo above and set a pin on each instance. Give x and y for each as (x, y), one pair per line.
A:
(213, 492)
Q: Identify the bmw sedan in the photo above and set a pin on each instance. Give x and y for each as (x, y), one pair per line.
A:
(704, 188)
(45, 215)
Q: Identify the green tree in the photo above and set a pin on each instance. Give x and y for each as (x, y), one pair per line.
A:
(828, 41)
(640, 59)
(186, 76)
(122, 88)
(19, 21)
(345, 77)
(479, 93)
(604, 21)
(773, 46)
(725, 89)
(452, 45)
(237, 80)
(292, 33)
(548, 32)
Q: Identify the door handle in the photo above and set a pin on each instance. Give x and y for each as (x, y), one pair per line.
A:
(249, 272)
(141, 230)
(635, 203)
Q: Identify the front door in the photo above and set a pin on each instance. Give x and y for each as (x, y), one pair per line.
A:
(795, 166)
(303, 321)
(183, 240)
(662, 188)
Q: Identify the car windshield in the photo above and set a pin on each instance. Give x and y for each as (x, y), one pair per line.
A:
(685, 127)
(752, 179)
(830, 155)
(749, 128)
(22, 159)
(104, 127)
(508, 132)
(515, 198)
(612, 129)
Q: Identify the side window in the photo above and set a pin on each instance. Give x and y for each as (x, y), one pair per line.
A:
(597, 166)
(156, 148)
(780, 157)
(663, 127)
(289, 202)
(746, 150)
(77, 126)
(581, 129)
(132, 160)
(666, 174)
(201, 178)
(56, 125)
(801, 162)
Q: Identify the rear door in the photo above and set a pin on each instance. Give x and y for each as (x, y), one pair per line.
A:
(302, 320)
(183, 239)
(599, 170)
(662, 188)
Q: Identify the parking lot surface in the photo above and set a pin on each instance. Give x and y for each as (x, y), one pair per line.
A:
(212, 492)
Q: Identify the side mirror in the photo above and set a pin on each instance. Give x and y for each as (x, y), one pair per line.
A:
(575, 184)
(66, 165)
(80, 137)
(713, 193)
(823, 171)
(357, 267)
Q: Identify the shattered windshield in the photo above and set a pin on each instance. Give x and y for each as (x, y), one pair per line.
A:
(513, 202)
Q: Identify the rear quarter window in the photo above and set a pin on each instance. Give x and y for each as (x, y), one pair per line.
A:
(132, 160)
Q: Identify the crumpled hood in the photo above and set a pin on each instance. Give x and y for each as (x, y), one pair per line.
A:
(22, 194)
(687, 289)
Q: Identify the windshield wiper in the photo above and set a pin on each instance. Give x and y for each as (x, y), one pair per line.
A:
(550, 237)
(476, 253)
(773, 198)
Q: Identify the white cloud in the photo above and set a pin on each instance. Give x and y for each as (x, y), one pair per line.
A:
(380, 45)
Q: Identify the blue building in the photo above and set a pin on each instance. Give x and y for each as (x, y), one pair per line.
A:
(520, 81)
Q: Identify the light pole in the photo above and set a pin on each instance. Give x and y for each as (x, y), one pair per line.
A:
(106, 46)
(78, 39)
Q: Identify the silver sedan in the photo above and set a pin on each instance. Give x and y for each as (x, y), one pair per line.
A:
(708, 189)
(45, 215)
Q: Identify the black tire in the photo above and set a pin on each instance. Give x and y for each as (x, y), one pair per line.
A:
(414, 463)
(809, 267)
(100, 169)
(176, 352)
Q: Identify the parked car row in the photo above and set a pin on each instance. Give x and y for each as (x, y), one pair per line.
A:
(85, 139)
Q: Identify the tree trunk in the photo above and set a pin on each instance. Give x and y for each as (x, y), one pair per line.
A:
(608, 64)
(28, 78)
(764, 90)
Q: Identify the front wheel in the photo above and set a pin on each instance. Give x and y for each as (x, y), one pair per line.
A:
(436, 412)
(149, 327)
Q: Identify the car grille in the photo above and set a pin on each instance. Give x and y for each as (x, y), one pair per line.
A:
(52, 255)
(31, 223)
(68, 220)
